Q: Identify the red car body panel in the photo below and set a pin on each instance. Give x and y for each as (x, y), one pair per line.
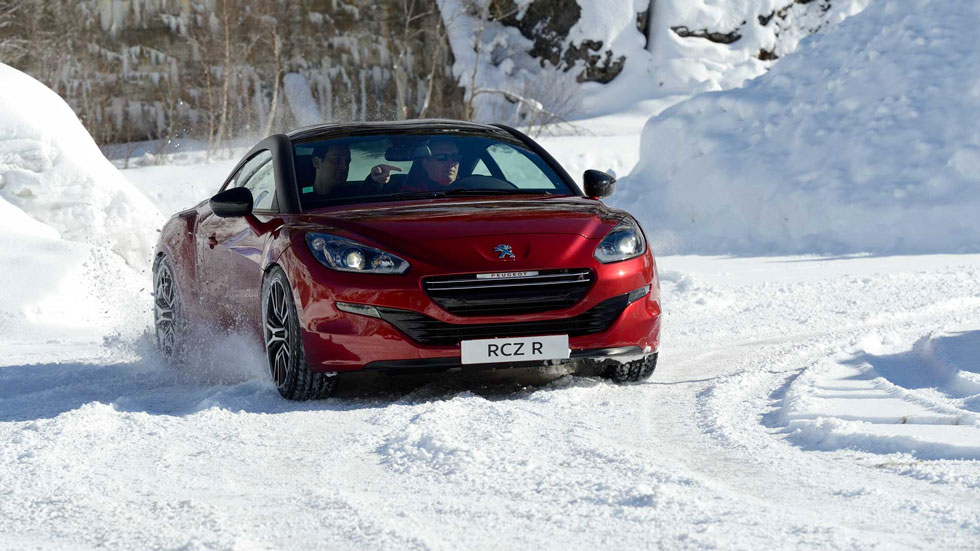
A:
(221, 263)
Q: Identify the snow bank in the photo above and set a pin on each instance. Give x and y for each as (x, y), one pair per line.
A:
(69, 225)
(51, 169)
(866, 139)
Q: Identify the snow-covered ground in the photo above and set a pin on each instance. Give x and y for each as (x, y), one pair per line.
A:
(801, 402)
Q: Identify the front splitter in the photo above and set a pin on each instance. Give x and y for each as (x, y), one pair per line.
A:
(436, 365)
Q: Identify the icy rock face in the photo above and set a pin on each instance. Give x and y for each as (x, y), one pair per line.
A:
(617, 53)
(866, 139)
(51, 169)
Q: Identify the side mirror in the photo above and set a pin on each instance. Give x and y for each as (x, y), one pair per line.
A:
(598, 184)
(232, 202)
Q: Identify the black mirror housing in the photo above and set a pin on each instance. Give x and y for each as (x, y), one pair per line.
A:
(232, 202)
(598, 184)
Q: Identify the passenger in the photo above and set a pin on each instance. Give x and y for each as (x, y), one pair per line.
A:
(332, 169)
(439, 170)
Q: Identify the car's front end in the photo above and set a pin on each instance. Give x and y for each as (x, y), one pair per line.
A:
(472, 283)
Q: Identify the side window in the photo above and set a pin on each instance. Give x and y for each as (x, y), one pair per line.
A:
(481, 169)
(518, 169)
(262, 184)
(257, 175)
(248, 169)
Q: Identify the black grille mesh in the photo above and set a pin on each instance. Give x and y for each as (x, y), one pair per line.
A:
(426, 330)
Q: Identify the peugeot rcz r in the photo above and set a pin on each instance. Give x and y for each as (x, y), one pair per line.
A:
(410, 246)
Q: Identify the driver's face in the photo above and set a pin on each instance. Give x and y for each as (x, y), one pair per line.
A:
(334, 165)
(443, 166)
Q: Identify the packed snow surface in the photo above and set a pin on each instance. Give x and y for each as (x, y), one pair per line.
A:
(867, 139)
(800, 403)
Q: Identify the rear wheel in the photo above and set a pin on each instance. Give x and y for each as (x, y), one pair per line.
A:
(284, 347)
(631, 372)
(168, 310)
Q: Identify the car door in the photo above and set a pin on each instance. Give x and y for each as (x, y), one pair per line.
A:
(231, 253)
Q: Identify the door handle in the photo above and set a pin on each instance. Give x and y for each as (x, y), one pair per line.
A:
(213, 240)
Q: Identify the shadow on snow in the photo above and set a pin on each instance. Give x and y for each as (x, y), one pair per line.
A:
(235, 381)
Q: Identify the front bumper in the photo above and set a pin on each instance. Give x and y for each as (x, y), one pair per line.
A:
(353, 342)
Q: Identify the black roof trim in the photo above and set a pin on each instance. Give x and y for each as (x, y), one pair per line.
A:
(347, 128)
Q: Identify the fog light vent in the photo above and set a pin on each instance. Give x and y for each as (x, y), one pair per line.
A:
(362, 309)
(637, 294)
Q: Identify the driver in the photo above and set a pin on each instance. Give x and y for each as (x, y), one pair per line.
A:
(440, 168)
(333, 166)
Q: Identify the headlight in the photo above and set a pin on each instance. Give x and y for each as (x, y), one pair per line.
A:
(345, 255)
(625, 241)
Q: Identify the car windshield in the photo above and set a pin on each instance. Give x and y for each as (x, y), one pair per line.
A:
(392, 167)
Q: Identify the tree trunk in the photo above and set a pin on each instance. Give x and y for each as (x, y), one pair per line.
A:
(276, 52)
(226, 77)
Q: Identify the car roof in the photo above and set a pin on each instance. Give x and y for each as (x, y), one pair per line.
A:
(406, 126)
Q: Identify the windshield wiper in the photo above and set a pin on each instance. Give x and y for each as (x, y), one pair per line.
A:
(477, 191)
(463, 191)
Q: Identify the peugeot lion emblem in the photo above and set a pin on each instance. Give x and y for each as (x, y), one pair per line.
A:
(505, 251)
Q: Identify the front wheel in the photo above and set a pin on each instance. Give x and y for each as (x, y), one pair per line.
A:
(284, 347)
(168, 311)
(631, 372)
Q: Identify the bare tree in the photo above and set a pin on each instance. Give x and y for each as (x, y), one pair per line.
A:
(9, 43)
(440, 38)
(274, 38)
(225, 74)
(213, 69)
(545, 99)
(412, 30)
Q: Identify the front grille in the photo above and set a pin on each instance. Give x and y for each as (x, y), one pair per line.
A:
(469, 295)
(428, 330)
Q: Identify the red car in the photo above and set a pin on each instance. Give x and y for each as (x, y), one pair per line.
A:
(410, 246)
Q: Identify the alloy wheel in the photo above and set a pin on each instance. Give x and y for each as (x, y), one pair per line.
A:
(166, 309)
(277, 333)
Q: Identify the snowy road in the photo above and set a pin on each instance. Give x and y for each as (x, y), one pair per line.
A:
(795, 407)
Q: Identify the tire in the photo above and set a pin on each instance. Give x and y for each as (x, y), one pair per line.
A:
(169, 322)
(631, 372)
(284, 345)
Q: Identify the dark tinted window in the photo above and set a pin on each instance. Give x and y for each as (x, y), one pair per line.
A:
(340, 170)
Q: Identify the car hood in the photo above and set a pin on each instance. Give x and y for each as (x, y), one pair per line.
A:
(425, 222)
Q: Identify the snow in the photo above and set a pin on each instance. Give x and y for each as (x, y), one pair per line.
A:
(51, 169)
(300, 99)
(75, 236)
(923, 402)
(699, 457)
(864, 140)
(656, 73)
(671, 64)
(805, 401)
(176, 187)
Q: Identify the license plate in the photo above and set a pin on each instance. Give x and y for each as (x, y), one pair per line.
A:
(518, 349)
